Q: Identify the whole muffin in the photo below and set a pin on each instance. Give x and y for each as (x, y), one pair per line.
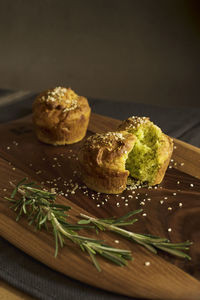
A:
(60, 116)
(150, 156)
(102, 161)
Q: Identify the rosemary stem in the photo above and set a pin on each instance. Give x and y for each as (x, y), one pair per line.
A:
(110, 226)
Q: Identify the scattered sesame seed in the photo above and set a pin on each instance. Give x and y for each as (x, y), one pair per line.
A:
(126, 204)
(169, 208)
(191, 184)
(4, 190)
(14, 168)
(178, 182)
(147, 263)
(165, 198)
(98, 205)
(174, 194)
(180, 204)
(144, 214)
(142, 203)
(169, 229)
(161, 201)
(117, 241)
(8, 148)
(182, 164)
(118, 204)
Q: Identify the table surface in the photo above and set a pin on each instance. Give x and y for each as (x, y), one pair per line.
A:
(184, 124)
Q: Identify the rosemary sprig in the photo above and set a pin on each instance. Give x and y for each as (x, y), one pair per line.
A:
(152, 243)
(41, 210)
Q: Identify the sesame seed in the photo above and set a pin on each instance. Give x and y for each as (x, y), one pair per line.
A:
(161, 201)
(178, 182)
(117, 241)
(180, 204)
(191, 184)
(174, 194)
(8, 148)
(98, 205)
(165, 198)
(169, 229)
(4, 190)
(147, 263)
(182, 164)
(169, 208)
(144, 214)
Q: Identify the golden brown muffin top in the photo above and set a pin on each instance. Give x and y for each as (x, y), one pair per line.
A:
(59, 96)
(109, 150)
(133, 122)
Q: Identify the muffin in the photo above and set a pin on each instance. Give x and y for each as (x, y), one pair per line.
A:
(139, 153)
(150, 156)
(102, 161)
(60, 116)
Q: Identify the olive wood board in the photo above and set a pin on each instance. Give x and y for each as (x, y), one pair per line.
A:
(167, 277)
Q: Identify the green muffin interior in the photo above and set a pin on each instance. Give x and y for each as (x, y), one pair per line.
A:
(143, 161)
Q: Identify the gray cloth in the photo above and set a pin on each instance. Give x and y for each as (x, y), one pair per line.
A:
(33, 277)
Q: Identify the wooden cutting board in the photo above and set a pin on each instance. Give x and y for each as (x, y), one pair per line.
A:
(166, 277)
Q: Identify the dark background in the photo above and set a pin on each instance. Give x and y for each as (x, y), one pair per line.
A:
(139, 51)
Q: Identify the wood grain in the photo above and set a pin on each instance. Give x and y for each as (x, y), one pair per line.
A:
(166, 277)
(9, 293)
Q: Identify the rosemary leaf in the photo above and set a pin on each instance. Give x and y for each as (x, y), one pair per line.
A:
(39, 207)
(150, 242)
